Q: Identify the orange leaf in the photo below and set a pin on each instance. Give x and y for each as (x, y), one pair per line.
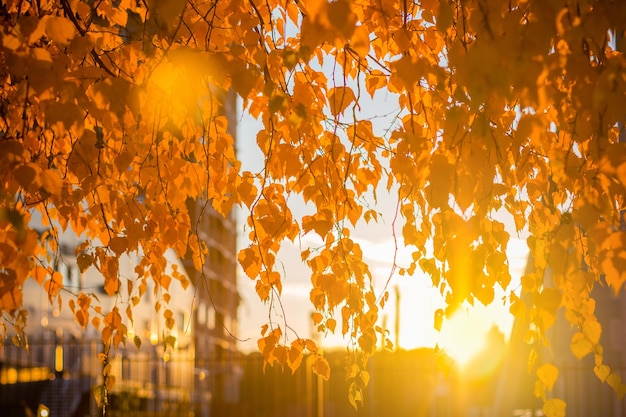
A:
(295, 359)
(51, 181)
(110, 271)
(310, 345)
(339, 98)
(340, 16)
(27, 176)
(360, 41)
(118, 244)
(375, 80)
(441, 179)
(321, 367)
(84, 261)
(39, 274)
(331, 324)
(60, 29)
(321, 222)
(317, 317)
(54, 284)
(250, 261)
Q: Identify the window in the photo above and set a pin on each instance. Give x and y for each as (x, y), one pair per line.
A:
(64, 270)
(210, 318)
(184, 324)
(202, 313)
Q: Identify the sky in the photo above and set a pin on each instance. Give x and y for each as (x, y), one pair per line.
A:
(462, 335)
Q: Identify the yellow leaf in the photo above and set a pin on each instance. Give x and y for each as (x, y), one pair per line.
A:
(408, 69)
(367, 343)
(615, 382)
(602, 371)
(100, 395)
(110, 382)
(592, 330)
(554, 407)
(549, 299)
(438, 319)
(355, 395)
(548, 374)
(247, 190)
(170, 341)
(580, 345)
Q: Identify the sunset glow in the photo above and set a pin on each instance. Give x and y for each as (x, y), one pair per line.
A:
(463, 336)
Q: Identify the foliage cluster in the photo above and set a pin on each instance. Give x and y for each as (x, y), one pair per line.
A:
(111, 123)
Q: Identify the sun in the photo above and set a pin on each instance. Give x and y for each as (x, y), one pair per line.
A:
(462, 336)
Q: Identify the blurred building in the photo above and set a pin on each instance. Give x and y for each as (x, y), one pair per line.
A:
(216, 301)
(577, 384)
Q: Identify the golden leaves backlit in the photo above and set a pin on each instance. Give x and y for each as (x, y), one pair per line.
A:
(113, 119)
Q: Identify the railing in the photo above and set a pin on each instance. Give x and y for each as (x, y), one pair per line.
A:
(62, 372)
(402, 384)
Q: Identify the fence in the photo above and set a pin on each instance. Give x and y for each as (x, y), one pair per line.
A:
(62, 372)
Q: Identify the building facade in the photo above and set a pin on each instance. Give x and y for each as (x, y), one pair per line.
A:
(216, 301)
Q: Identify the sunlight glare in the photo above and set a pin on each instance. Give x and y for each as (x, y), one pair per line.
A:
(177, 80)
(463, 335)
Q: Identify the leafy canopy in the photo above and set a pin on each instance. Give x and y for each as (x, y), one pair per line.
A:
(112, 122)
